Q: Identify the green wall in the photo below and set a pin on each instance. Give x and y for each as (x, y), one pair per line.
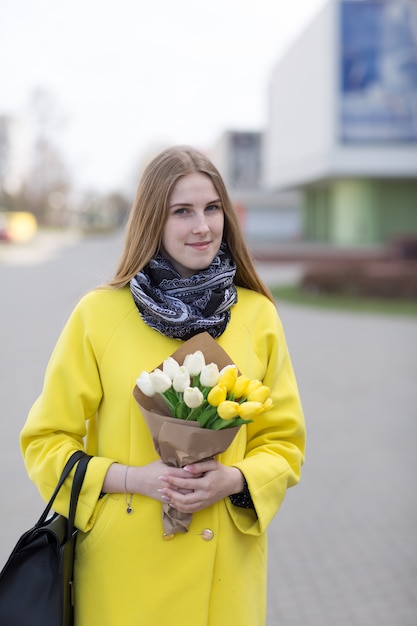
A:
(360, 211)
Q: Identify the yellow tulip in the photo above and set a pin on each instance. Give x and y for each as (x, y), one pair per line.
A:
(268, 404)
(261, 394)
(228, 376)
(228, 409)
(240, 388)
(250, 409)
(254, 384)
(217, 395)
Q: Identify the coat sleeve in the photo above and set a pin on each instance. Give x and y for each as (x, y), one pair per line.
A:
(57, 422)
(276, 439)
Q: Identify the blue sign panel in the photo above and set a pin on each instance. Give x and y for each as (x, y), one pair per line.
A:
(378, 71)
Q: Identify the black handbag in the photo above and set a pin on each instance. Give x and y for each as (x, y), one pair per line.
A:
(36, 584)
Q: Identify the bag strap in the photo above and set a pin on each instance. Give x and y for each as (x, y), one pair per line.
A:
(75, 491)
(74, 458)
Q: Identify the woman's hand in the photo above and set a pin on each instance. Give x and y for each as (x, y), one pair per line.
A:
(144, 480)
(188, 490)
(205, 483)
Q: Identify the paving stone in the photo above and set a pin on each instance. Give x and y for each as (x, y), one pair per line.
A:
(342, 549)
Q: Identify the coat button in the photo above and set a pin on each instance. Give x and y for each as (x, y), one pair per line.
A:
(168, 537)
(207, 534)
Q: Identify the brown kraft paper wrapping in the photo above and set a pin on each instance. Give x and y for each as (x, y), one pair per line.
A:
(180, 442)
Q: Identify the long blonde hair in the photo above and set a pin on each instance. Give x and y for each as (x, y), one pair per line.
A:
(150, 208)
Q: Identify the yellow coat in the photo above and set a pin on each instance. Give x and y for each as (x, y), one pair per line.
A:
(125, 572)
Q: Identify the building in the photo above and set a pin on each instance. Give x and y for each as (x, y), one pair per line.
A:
(266, 215)
(342, 122)
(14, 154)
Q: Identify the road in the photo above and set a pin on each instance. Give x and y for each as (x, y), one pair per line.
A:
(342, 549)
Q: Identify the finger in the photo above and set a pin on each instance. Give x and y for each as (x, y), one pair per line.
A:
(177, 473)
(202, 467)
(162, 496)
(186, 502)
(174, 482)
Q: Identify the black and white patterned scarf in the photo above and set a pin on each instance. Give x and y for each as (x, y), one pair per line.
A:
(181, 307)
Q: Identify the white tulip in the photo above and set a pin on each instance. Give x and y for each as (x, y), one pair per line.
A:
(160, 381)
(193, 397)
(145, 385)
(181, 379)
(194, 362)
(170, 367)
(209, 375)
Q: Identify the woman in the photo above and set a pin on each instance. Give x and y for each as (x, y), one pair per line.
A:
(184, 269)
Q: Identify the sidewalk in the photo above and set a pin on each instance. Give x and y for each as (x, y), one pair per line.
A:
(45, 245)
(342, 549)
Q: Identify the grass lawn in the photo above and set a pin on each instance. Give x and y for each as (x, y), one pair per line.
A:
(293, 294)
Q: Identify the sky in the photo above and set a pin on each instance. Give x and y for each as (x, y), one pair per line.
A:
(126, 77)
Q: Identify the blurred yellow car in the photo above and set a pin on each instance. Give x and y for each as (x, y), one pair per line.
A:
(17, 226)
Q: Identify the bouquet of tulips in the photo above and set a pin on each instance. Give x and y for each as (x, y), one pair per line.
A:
(200, 392)
(194, 403)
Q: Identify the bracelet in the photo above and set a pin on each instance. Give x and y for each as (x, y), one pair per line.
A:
(129, 509)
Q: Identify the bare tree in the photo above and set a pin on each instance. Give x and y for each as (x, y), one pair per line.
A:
(49, 175)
